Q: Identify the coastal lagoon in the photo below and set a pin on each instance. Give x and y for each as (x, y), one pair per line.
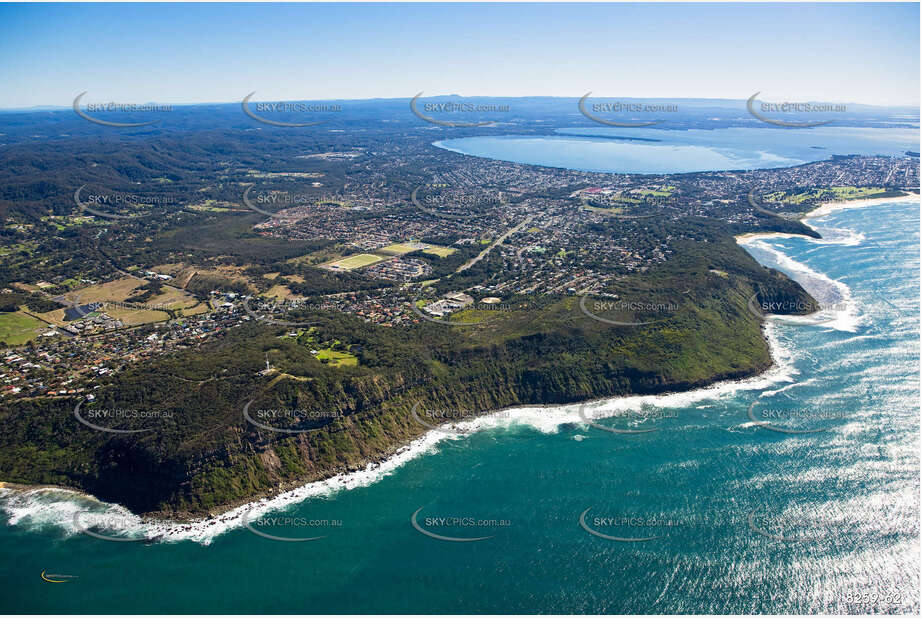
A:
(710, 513)
(659, 151)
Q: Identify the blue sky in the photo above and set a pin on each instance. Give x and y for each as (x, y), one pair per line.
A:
(131, 53)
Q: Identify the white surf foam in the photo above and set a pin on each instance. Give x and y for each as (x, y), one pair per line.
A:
(839, 311)
(830, 207)
(843, 313)
(50, 507)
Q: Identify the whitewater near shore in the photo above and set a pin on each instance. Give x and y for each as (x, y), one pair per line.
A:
(64, 508)
(44, 507)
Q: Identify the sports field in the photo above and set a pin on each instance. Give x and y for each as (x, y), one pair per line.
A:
(354, 261)
(402, 248)
(439, 251)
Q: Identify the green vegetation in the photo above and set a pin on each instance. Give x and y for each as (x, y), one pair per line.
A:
(337, 358)
(24, 249)
(817, 195)
(10, 302)
(201, 453)
(439, 251)
(353, 262)
(681, 275)
(401, 248)
(18, 328)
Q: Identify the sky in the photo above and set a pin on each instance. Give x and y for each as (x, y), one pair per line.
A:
(181, 53)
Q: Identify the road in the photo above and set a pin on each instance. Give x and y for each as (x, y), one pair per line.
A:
(498, 242)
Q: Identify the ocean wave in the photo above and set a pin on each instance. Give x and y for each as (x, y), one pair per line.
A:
(830, 207)
(50, 507)
(842, 313)
(828, 291)
(53, 508)
(771, 393)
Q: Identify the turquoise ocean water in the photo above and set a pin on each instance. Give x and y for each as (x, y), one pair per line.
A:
(712, 512)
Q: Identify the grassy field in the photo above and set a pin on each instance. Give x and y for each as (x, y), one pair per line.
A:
(599, 209)
(10, 249)
(117, 290)
(480, 316)
(62, 222)
(663, 192)
(853, 193)
(171, 298)
(194, 310)
(279, 291)
(402, 248)
(121, 289)
(135, 317)
(18, 328)
(208, 208)
(354, 261)
(439, 251)
(337, 358)
(836, 193)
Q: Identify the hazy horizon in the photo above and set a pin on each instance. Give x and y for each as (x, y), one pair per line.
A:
(88, 98)
(214, 53)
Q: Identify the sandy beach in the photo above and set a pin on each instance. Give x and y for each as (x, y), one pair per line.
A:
(205, 530)
(826, 209)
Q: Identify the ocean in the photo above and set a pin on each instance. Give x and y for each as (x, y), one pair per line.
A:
(793, 491)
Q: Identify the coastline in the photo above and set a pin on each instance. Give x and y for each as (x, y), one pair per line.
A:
(830, 207)
(842, 313)
(204, 530)
(58, 502)
(824, 209)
